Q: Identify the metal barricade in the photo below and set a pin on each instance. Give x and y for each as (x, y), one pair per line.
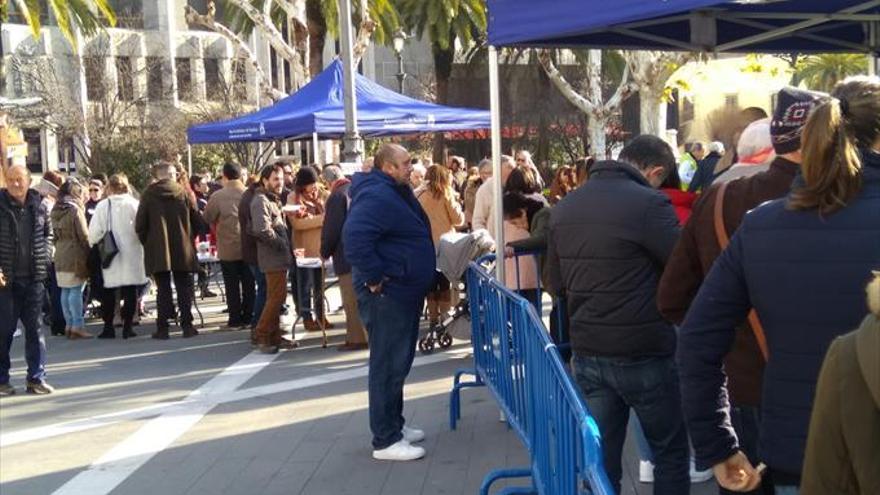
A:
(515, 358)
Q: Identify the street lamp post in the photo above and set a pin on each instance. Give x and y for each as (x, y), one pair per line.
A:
(399, 41)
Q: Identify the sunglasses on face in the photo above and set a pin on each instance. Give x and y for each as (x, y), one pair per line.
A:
(94, 190)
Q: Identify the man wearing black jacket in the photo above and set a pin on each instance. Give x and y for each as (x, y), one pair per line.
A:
(608, 243)
(24, 266)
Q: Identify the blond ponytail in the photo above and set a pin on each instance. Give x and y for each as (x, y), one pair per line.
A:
(833, 136)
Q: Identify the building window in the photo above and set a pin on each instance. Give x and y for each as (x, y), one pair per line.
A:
(201, 6)
(129, 13)
(213, 80)
(731, 101)
(94, 68)
(125, 78)
(16, 17)
(155, 90)
(239, 78)
(184, 79)
(34, 159)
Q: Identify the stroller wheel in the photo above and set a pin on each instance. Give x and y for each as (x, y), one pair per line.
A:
(445, 340)
(426, 345)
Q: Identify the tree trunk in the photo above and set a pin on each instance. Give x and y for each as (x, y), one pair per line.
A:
(652, 112)
(596, 129)
(442, 72)
(317, 33)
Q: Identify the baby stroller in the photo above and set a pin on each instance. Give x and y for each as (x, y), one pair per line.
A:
(456, 251)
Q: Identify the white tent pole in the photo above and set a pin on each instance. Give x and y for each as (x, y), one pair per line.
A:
(495, 113)
(189, 158)
(315, 153)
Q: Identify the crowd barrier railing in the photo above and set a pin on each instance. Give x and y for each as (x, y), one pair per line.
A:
(515, 358)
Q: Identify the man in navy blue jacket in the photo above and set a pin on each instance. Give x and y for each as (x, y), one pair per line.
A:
(387, 240)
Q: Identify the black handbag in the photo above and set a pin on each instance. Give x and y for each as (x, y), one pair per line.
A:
(107, 247)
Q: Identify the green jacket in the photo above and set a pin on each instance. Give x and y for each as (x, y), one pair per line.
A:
(71, 238)
(843, 447)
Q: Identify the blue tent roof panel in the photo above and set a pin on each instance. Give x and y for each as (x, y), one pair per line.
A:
(693, 25)
(318, 108)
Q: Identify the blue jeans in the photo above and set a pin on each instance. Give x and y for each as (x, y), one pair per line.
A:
(22, 299)
(72, 306)
(639, 435)
(260, 296)
(309, 285)
(648, 385)
(787, 490)
(393, 329)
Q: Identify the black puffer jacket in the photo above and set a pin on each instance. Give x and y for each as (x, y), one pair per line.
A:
(9, 235)
(608, 243)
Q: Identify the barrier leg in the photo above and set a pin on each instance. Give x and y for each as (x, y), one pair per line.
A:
(499, 474)
(455, 394)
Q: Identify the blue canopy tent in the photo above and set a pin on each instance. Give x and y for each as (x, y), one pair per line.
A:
(317, 109)
(713, 26)
(691, 25)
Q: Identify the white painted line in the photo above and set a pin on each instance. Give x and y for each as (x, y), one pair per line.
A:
(50, 431)
(125, 458)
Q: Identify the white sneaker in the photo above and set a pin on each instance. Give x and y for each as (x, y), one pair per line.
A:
(646, 471)
(700, 476)
(400, 451)
(412, 435)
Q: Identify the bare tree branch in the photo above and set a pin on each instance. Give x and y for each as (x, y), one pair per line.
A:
(207, 21)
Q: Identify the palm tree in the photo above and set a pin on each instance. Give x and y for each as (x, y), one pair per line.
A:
(88, 16)
(822, 72)
(444, 22)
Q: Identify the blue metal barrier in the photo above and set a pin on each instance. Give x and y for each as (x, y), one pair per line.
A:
(515, 358)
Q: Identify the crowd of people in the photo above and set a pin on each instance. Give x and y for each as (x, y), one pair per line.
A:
(701, 292)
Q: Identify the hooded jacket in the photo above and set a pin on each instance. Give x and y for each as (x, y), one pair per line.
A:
(804, 274)
(843, 447)
(388, 238)
(71, 239)
(11, 238)
(166, 224)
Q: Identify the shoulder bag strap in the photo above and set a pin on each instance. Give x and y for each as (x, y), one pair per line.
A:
(723, 241)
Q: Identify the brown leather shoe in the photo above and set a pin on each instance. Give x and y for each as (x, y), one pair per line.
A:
(311, 325)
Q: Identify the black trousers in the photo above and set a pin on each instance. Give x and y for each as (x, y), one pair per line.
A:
(240, 291)
(183, 281)
(128, 295)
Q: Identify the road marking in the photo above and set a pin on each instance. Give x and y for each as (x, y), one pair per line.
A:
(125, 458)
(178, 407)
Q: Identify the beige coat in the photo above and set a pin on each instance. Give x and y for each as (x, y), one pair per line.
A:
(444, 213)
(222, 211)
(306, 232)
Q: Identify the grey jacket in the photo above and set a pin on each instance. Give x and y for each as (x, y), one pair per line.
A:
(270, 229)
